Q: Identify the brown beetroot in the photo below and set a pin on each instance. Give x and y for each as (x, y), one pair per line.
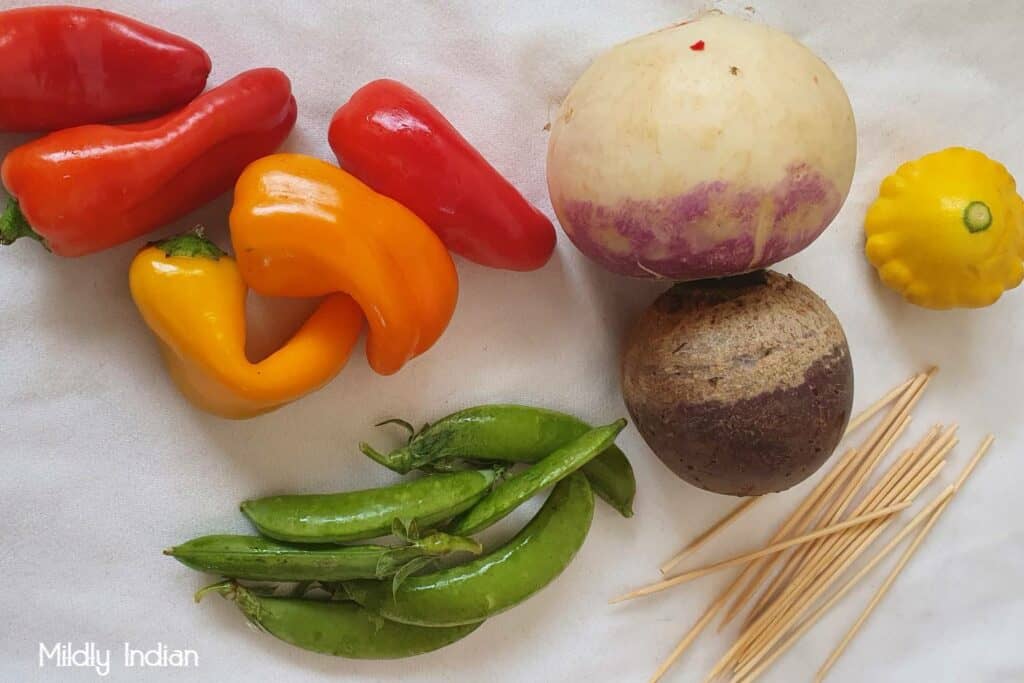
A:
(741, 386)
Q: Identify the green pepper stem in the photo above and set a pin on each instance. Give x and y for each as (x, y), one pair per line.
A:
(192, 244)
(14, 226)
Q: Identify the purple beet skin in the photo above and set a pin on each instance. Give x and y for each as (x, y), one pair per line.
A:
(713, 230)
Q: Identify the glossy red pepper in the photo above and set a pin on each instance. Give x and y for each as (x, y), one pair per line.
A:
(395, 141)
(84, 189)
(68, 66)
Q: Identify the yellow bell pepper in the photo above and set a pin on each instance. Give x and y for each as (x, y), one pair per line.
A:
(303, 227)
(193, 298)
(947, 230)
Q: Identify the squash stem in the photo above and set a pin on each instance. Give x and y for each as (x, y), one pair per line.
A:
(977, 217)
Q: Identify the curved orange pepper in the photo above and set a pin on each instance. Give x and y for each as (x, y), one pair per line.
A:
(302, 227)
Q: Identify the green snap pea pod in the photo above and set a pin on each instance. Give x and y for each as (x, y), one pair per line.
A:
(342, 629)
(262, 559)
(494, 582)
(513, 492)
(358, 515)
(516, 434)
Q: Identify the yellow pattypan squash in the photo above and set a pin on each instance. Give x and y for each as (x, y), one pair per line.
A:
(947, 230)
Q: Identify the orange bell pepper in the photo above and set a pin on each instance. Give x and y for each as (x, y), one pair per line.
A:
(302, 227)
(193, 298)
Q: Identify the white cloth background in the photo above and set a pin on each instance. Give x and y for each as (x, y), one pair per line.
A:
(105, 464)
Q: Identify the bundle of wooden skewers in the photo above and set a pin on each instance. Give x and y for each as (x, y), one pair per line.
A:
(814, 551)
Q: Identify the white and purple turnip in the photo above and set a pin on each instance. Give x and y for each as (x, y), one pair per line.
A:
(711, 148)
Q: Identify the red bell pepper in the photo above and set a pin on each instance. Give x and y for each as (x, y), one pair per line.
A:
(84, 189)
(68, 66)
(396, 142)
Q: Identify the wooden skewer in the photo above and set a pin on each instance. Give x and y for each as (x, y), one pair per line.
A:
(753, 637)
(770, 625)
(927, 456)
(854, 486)
(932, 511)
(868, 464)
(834, 552)
(978, 455)
(820, 492)
(837, 562)
(903, 406)
(743, 559)
(878, 494)
(879, 443)
(715, 528)
(874, 457)
(760, 625)
(841, 648)
(799, 521)
(800, 555)
(765, 647)
(886, 585)
(904, 475)
(908, 394)
(782, 623)
(872, 449)
(877, 406)
(712, 611)
(920, 517)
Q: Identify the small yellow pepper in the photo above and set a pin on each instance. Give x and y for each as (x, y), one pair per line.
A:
(947, 230)
(193, 298)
